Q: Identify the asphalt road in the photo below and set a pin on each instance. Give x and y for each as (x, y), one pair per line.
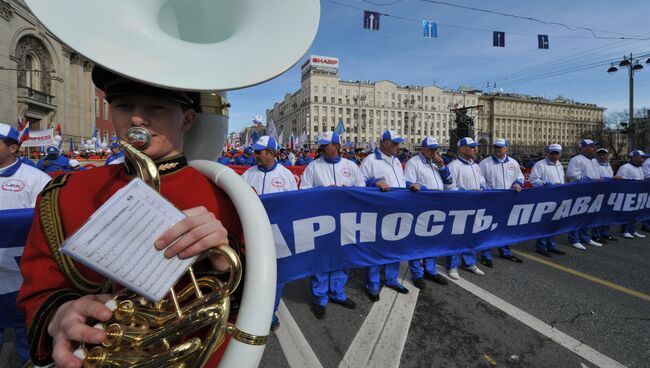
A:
(606, 307)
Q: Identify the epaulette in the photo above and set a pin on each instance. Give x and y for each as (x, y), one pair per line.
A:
(57, 182)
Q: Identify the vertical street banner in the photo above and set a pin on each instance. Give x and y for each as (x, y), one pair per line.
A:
(371, 20)
(498, 39)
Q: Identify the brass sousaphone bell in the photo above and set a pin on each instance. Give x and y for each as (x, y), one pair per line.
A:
(207, 46)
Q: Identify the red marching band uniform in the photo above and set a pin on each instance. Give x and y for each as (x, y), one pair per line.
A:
(51, 279)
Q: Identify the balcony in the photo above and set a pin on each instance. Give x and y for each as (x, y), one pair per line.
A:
(39, 104)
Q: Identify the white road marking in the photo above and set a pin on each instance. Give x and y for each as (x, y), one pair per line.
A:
(381, 339)
(538, 325)
(296, 349)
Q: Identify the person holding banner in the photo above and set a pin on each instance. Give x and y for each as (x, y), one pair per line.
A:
(633, 170)
(327, 171)
(646, 176)
(382, 169)
(269, 177)
(601, 162)
(581, 168)
(53, 162)
(501, 172)
(546, 173)
(466, 175)
(429, 171)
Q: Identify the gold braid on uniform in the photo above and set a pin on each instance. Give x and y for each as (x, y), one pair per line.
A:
(54, 235)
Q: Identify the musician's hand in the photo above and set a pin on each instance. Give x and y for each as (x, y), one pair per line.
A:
(69, 325)
(383, 186)
(199, 231)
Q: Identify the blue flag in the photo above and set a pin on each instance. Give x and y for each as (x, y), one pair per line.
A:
(429, 29)
(340, 128)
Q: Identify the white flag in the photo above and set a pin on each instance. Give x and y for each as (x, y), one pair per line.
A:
(270, 130)
(281, 138)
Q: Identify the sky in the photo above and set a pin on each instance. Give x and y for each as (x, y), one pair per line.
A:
(575, 65)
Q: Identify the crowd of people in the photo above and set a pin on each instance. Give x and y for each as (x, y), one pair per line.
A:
(430, 170)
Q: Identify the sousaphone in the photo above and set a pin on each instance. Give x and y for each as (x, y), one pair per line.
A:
(207, 46)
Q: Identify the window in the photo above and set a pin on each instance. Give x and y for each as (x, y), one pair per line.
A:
(97, 110)
(105, 110)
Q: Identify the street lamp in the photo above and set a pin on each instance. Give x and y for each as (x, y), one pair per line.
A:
(632, 65)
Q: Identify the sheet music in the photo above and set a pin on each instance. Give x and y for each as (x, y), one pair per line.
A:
(117, 241)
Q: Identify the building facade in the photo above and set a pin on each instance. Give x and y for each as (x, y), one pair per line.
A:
(365, 108)
(42, 80)
(532, 123)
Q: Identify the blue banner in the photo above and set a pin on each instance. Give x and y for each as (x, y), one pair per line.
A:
(327, 229)
(14, 228)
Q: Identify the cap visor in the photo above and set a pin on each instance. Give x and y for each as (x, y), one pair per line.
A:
(259, 147)
(397, 140)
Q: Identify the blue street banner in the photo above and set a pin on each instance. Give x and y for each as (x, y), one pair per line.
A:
(542, 42)
(371, 20)
(14, 229)
(326, 229)
(499, 39)
(429, 29)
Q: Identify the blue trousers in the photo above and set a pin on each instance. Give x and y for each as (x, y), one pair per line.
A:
(417, 271)
(579, 236)
(546, 243)
(373, 276)
(646, 225)
(329, 285)
(22, 347)
(628, 228)
(600, 231)
(469, 259)
(504, 251)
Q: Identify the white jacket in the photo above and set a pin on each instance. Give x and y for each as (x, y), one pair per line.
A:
(581, 168)
(501, 174)
(604, 169)
(646, 169)
(277, 179)
(379, 167)
(630, 172)
(420, 170)
(545, 172)
(320, 173)
(20, 189)
(466, 175)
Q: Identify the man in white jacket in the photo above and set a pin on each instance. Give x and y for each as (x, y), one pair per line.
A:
(633, 170)
(382, 169)
(429, 171)
(546, 173)
(501, 172)
(604, 169)
(466, 175)
(581, 168)
(330, 170)
(269, 177)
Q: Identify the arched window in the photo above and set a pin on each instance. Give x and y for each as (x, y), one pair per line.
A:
(28, 71)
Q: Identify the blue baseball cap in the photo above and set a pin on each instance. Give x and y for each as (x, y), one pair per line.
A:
(638, 153)
(554, 148)
(501, 142)
(587, 142)
(329, 137)
(51, 150)
(430, 142)
(115, 145)
(7, 131)
(265, 142)
(391, 135)
(467, 141)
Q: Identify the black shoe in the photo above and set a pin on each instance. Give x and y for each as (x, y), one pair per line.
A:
(597, 239)
(611, 238)
(399, 288)
(347, 303)
(275, 324)
(436, 278)
(372, 296)
(319, 311)
(487, 263)
(513, 259)
(419, 283)
(557, 251)
(544, 253)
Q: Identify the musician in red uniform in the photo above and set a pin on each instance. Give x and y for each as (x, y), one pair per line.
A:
(60, 296)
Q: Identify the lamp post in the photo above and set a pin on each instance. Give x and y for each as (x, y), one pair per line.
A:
(632, 65)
